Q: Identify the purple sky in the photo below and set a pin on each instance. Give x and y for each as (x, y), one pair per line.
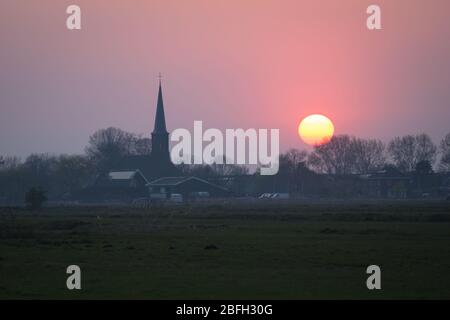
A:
(230, 63)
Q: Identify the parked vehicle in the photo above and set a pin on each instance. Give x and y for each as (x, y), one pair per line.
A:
(275, 196)
(280, 196)
(176, 198)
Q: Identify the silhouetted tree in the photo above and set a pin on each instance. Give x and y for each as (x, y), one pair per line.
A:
(72, 172)
(409, 150)
(12, 181)
(369, 155)
(391, 170)
(295, 157)
(142, 146)
(422, 175)
(444, 164)
(198, 170)
(346, 155)
(292, 171)
(335, 157)
(34, 198)
(55, 174)
(228, 169)
(39, 170)
(8, 163)
(214, 170)
(107, 146)
(423, 168)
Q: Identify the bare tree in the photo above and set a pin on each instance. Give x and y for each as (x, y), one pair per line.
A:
(12, 181)
(56, 175)
(409, 150)
(346, 155)
(39, 169)
(290, 163)
(9, 163)
(444, 164)
(142, 146)
(107, 146)
(295, 157)
(35, 197)
(72, 172)
(214, 170)
(334, 157)
(228, 169)
(293, 171)
(369, 155)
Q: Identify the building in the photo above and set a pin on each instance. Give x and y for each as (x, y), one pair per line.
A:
(187, 187)
(153, 175)
(124, 179)
(389, 183)
(115, 186)
(158, 163)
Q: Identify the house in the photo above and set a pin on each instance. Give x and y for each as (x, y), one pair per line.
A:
(187, 187)
(387, 184)
(122, 179)
(115, 186)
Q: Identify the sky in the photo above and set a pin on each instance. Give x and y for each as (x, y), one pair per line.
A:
(229, 63)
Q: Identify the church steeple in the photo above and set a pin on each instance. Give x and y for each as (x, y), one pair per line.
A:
(160, 136)
(160, 119)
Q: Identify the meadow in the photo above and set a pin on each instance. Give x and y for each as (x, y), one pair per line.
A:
(261, 250)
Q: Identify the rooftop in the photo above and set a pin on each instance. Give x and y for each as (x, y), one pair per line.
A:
(124, 175)
(171, 181)
(174, 181)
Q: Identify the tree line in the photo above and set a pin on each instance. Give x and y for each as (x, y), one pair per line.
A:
(60, 175)
(351, 155)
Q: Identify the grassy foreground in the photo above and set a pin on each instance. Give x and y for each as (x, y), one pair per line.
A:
(261, 251)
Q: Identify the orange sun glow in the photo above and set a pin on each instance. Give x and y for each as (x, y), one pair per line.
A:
(316, 129)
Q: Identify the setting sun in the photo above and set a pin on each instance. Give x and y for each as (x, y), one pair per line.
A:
(316, 129)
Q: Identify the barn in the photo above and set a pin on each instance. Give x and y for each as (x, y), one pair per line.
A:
(115, 186)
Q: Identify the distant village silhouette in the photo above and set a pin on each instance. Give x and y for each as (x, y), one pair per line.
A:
(344, 168)
(131, 177)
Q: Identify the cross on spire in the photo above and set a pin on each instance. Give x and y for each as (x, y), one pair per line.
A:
(159, 77)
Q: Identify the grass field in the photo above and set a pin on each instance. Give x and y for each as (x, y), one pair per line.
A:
(261, 251)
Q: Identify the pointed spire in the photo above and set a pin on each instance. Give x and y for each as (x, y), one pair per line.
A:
(160, 119)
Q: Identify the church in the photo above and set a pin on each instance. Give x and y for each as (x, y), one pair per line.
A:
(158, 163)
(150, 176)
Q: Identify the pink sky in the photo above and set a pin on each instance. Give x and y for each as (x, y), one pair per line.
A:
(230, 63)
